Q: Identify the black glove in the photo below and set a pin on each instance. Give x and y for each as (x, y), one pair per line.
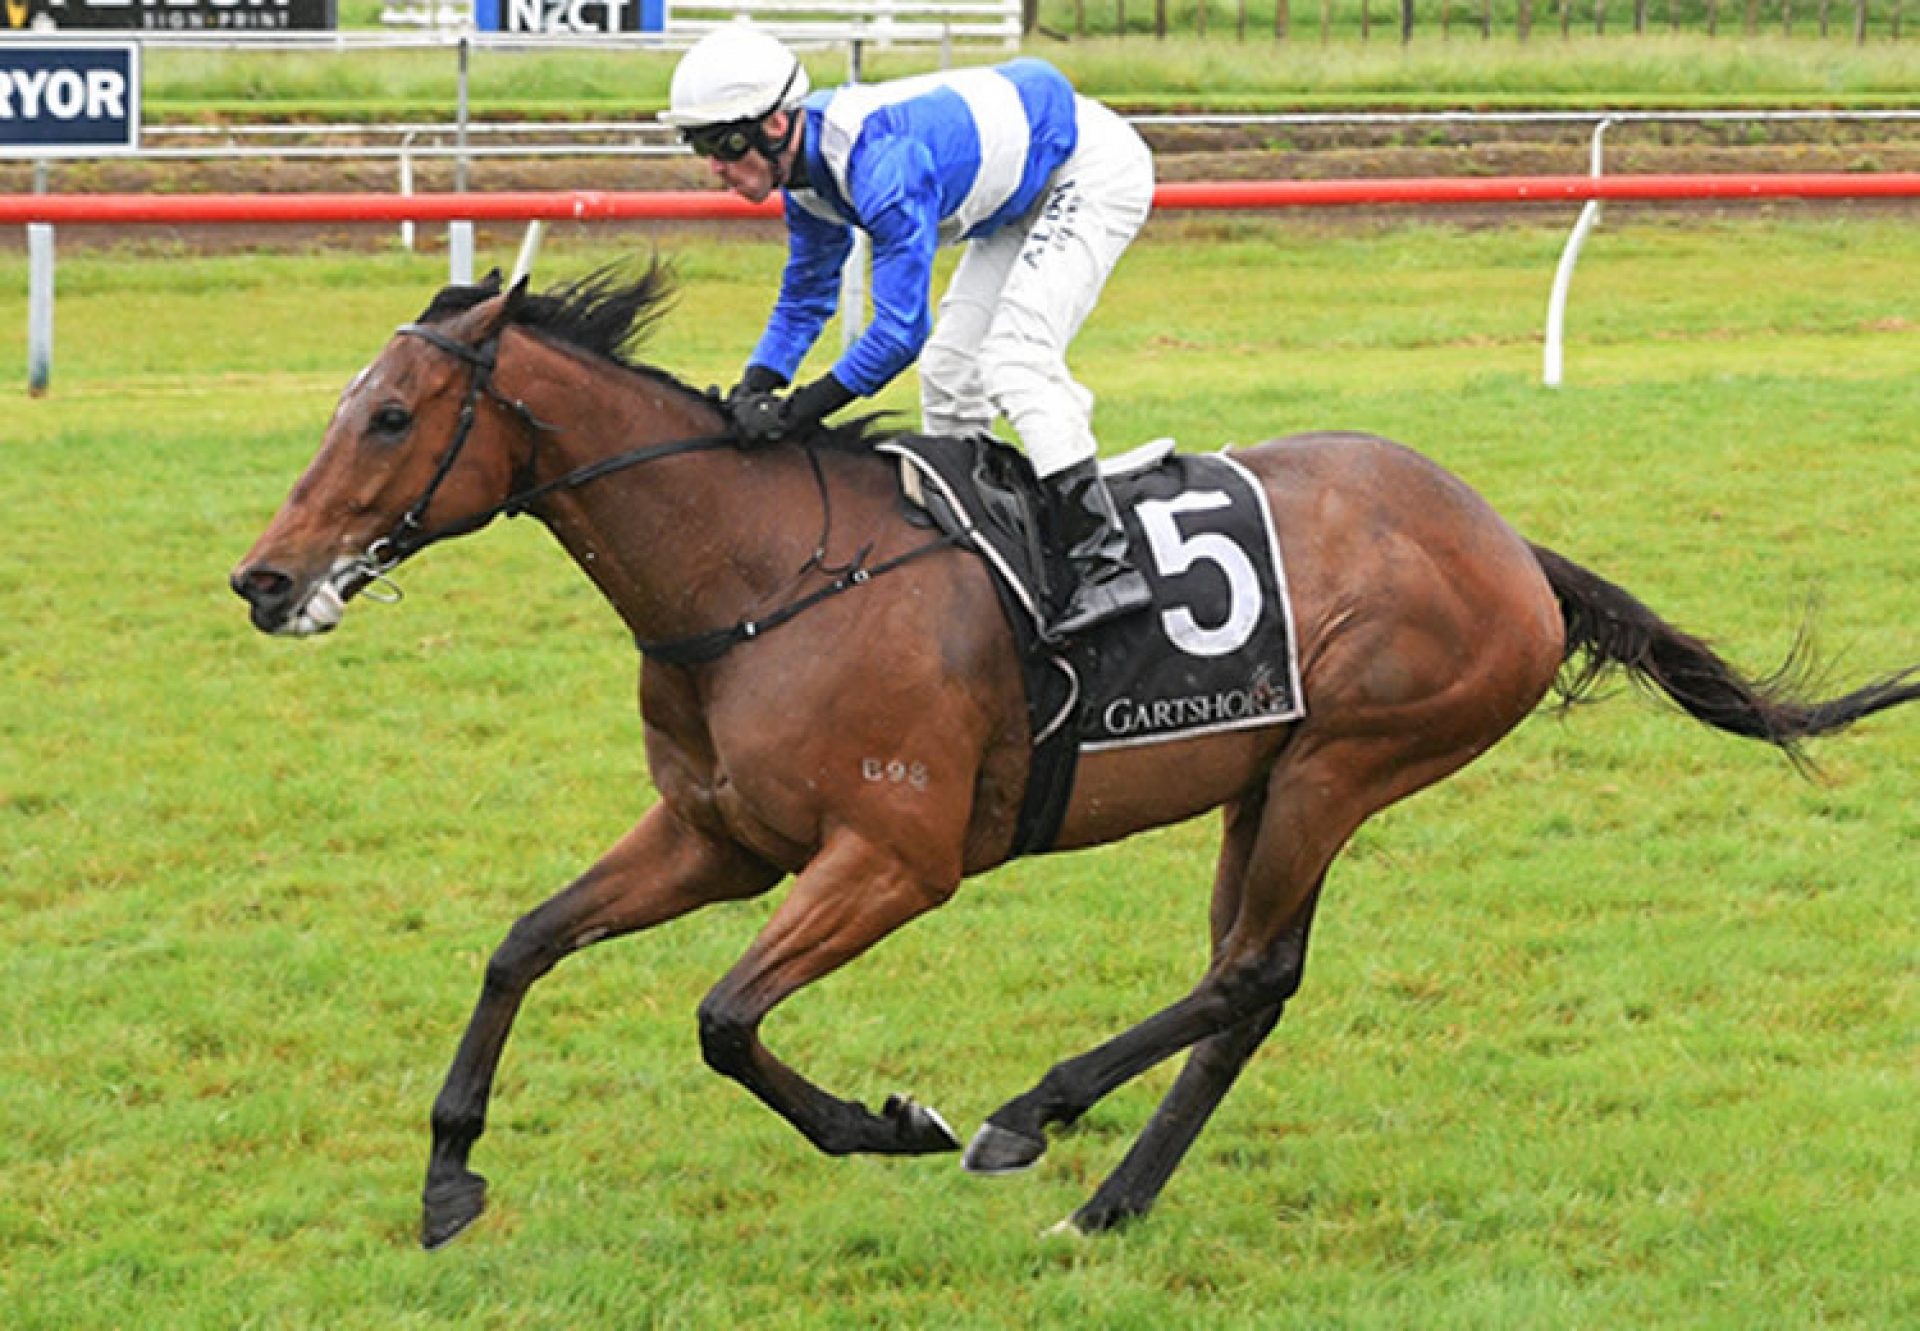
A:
(751, 406)
(757, 379)
(762, 416)
(818, 400)
(757, 417)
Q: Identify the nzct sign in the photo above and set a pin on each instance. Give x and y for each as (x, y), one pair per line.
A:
(555, 17)
(68, 101)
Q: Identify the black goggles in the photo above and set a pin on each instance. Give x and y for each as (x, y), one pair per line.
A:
(723, 143)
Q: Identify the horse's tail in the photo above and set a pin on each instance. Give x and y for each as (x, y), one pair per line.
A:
(1608, 627)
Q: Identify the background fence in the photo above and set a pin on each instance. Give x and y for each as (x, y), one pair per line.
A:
(1408, 20)
(41, 211)
(718, 206)
(1003, 21)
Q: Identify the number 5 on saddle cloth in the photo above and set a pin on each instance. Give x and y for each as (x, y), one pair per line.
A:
(1216, 650)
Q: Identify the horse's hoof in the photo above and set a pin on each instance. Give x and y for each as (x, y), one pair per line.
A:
(1064, 1229)
(1102, 1217)
(998, 1150)
(449, 1207)
(922, 1130)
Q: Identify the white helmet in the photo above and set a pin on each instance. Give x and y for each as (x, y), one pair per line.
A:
(735, 72)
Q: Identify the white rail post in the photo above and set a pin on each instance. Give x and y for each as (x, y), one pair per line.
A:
(460, 234)
(1554, 357)
(460, 253)
(529, 250)
(39, 295)
(406, 187)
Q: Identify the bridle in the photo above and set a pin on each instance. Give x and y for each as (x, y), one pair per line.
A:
(410, 535)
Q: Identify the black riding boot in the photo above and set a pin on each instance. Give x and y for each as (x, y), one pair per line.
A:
(1106, 584)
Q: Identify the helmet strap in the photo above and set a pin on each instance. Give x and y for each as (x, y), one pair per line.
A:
(768, 148)
(775, 150)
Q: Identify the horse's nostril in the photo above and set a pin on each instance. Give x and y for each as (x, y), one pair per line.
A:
(262, 586)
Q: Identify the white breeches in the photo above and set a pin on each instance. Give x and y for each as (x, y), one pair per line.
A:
(1018, 296)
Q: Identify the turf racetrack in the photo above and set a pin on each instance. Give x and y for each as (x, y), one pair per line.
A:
(1614, 1028)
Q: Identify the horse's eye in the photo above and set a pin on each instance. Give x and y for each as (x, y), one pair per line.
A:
(392, 420)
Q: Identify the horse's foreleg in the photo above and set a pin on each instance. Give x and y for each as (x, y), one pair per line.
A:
(661, 869)
(847, 899)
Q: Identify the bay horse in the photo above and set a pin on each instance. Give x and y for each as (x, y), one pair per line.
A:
(1427, 630)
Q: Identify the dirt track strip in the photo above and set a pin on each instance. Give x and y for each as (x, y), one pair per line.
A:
(680, 205)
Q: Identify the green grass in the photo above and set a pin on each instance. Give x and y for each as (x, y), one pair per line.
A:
(1682, 71)
(1613, 1029)
(1655, 71)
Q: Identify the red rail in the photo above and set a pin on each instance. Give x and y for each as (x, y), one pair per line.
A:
(713, 205)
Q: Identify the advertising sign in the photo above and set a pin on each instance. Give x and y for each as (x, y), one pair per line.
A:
(68, 101)
(555, 17)
(168, 15)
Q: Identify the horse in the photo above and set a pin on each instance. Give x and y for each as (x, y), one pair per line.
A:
(830, 693)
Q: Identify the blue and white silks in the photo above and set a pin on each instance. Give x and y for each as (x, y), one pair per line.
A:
(915, 163)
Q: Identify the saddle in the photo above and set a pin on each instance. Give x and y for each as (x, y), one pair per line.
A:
(1215, 652)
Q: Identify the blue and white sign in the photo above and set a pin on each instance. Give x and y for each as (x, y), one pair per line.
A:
(569, 17)
(69, 101)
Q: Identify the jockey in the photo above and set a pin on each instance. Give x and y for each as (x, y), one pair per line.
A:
(1046, 188)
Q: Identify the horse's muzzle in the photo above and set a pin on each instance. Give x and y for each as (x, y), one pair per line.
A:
(281, 604)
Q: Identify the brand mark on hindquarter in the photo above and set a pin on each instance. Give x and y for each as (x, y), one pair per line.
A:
(894, 772)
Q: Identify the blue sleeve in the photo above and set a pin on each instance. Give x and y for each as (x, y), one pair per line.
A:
(896, 193)
(809, 289)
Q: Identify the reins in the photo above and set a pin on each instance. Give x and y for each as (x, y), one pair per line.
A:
(698, 648)
(410, 535)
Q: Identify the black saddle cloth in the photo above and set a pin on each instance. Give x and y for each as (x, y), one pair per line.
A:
(1214, 652)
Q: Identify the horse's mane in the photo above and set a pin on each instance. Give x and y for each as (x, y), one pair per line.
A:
(608, 314)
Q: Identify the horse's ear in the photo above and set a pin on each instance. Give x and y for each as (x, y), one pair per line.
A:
(517, 294)
(510, 305)
(500, 313)
(491, 282)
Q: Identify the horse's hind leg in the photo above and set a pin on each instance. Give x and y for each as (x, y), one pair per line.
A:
(1315, 799)
(1212, 1067)
(1210, 1072)
(853, 894)
(661, 869)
